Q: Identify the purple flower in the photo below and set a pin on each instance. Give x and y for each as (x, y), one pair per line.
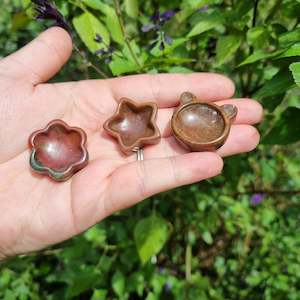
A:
(108, 60)
(203, 9)
(168, 286)
(161, 18)
(158, 20)
(162, 46)
(256, 199)
(165, 40)
(48, 11)
(101, 52)
(105, 53)
(167, 15)
(168, 40)
(98, 38)
(148, 27)
(155, 17)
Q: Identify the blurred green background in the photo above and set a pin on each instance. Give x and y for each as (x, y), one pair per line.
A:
(234, 237)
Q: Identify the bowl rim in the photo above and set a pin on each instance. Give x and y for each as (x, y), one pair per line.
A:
(184, 139)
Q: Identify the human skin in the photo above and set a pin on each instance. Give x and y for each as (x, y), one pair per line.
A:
(36, 212)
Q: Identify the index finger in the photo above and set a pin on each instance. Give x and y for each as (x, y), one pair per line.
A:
(42, 58)
(165, 89)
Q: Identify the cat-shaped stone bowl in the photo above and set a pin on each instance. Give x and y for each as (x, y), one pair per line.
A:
(202, 126)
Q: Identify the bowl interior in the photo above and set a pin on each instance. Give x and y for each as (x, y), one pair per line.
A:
(59, 148)
(133, 124)
(200, 123)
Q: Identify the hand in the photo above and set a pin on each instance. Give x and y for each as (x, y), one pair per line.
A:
(36, 212)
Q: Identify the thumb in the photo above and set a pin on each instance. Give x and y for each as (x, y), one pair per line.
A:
(42, 58)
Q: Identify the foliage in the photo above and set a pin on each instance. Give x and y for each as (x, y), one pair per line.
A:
(233, 237)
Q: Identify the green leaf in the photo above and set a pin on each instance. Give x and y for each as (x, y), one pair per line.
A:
(96, 235)
(254, 278)
(270, 103)
(168, 48)
(238, 17)
(268, 215)
(19, 21)
(295, 69)
(207, 237)
(150, 235)
(112, 22)
(132, 8)
(25, 3)
(151, 296)
(278, 85)
(294, 50)
(110, 18)
(286, 130)
(260, 55)
(122, 65)
(136, 49)
(290, 37)
(81, 281)
(188, 7)
(99, 295)
(95, 4)
(124, 62)
(226, 48)
(118, 283)
(206, 23)
(258, 37)
(87, 27)
(9, 295)
(180, 69)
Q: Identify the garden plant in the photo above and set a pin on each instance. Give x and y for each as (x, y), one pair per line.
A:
(233, 237)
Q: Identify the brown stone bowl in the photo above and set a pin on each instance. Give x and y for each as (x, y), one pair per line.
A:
(58, 150)
(202, 126)
(134, 125)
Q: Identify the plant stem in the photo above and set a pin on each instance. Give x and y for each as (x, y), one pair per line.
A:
(126, 38)
(188, 263)
(89, 64)
(250, 71)
(273, 11)
(245, 250)
(254, 19)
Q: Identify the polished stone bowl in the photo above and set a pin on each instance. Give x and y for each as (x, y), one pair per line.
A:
(202, 126)
(58, 150)
(134, 125)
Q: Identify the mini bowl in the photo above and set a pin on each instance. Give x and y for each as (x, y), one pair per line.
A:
(58, 150)
(202, 126)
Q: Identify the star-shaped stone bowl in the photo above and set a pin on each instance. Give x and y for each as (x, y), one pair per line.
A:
(202, 126)
(133, 125)
(58, 150)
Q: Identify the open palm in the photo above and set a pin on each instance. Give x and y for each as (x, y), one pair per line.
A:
(36, 212)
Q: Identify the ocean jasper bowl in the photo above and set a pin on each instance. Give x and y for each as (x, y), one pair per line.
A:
(58, 150)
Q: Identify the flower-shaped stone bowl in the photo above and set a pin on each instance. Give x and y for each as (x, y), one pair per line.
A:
(202, 126)
(134, 125)
(58, 150)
